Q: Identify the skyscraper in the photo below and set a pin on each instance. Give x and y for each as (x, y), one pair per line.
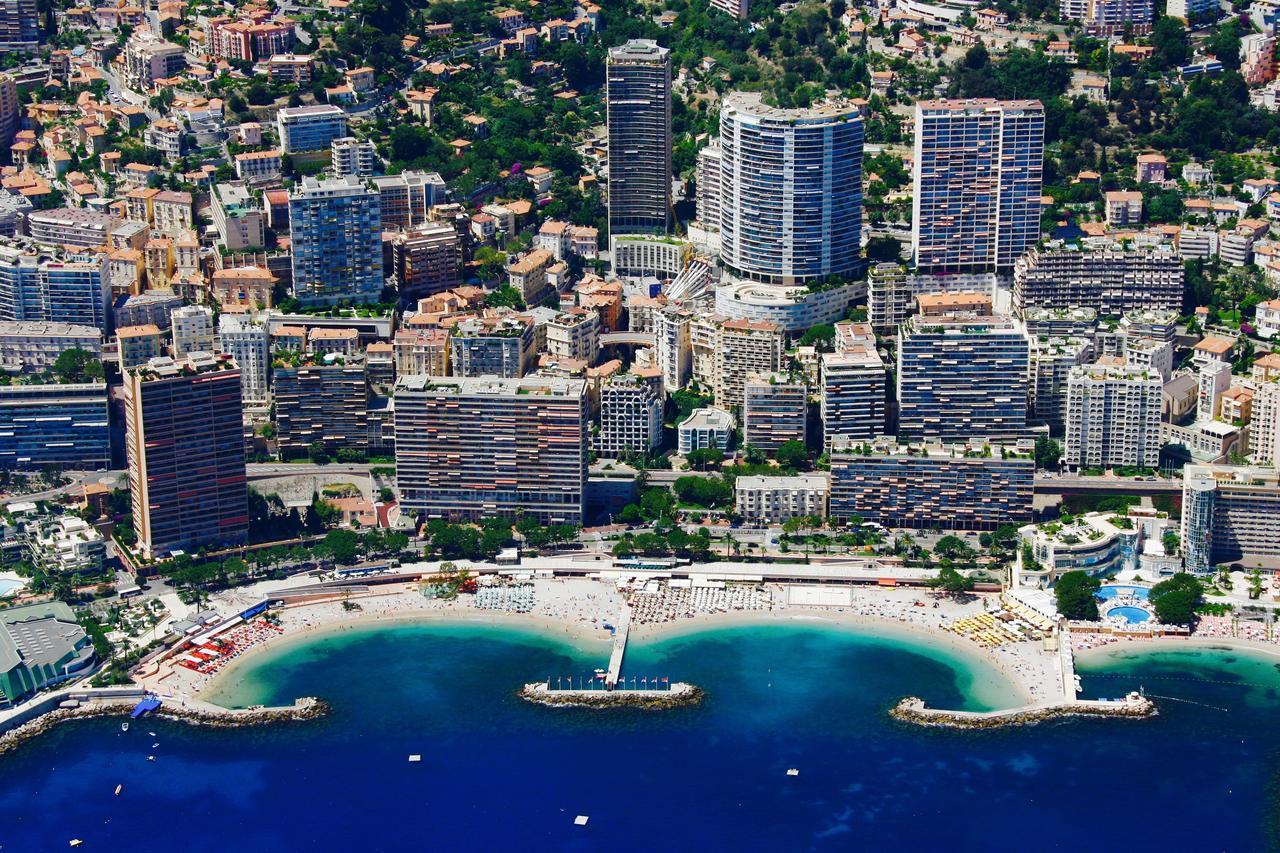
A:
(19, 26)
(639, 117)
(336, 225)
(244, 337)
(976, 200)
(790, 190)
(184, 437)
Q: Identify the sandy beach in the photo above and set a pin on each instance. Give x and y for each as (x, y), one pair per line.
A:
(575, 611)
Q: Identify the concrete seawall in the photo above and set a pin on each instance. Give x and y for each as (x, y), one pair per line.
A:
(83, 705)
(680, 695)
(913, 710)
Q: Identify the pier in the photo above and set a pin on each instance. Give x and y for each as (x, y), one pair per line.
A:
(674, 695)
(619, 647)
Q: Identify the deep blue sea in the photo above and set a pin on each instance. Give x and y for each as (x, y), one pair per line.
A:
(499, 774)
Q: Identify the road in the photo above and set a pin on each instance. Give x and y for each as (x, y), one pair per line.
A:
(268, 470)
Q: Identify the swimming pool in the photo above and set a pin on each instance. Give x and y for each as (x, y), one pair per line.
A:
(1107, 593)
(1132, 615)
(9, 587)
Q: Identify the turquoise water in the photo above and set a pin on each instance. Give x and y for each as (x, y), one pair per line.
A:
(498, 773)
(8, 587)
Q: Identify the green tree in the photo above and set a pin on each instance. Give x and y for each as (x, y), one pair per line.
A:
(951, 581)
(342, 545)
(1074, 593)
(793, 454)
(77, 365)
(1176, 599)
(1048, 453)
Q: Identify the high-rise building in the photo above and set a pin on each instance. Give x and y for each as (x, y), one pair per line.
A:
(184, 436)
(337, 241)
(1109, 17)
(8, 109)
(790, 190)
(1052, 360)
(709, 185)
(1113, 417)
(959, 488)
(1110, 282)
(672, 334)
(630, 414)
(32, 347)
(854, 387)
(638, 104)
(244, 337)
(40, 289)
(310, 128)
(427, 260)
(962, 374)
(322, 401)
(52, 424)
(407, 198)
(775, 410)
(1230, 514)
(978, 170)
(474, 448)
(351, 156)
(492, 346)
(192, 329)
(743, 348)
(19, 26)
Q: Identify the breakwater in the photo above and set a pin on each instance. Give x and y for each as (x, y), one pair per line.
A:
(196, 714)
(913, 710)
(681, 695)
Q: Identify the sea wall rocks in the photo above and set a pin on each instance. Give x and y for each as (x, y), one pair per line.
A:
(679, 696)
(913, 710)
(307, 708)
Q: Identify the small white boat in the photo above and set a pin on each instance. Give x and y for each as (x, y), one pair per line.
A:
(119, 788)
(154, 745)
(580, 820)
(151, 758)
(415, 758)
(124, 727)
(76, 842)
(793, 772)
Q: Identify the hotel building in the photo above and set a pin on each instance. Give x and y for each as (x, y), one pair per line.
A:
(1230, 514)
(1113, 417)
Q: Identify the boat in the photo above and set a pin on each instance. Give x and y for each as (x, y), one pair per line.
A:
(124, 727)
(119, 788)
(76, 842)
(151, 758)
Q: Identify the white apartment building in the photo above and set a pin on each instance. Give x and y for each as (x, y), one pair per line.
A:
(192, 327)
(703, 429)
(574, 334)
(1113, 417)
(1267, 320)
(244, 337)
(773, 500)
(630, 414)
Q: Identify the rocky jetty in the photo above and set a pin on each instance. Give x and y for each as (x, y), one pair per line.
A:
(680, 695)
(306, 708)
(913, 710)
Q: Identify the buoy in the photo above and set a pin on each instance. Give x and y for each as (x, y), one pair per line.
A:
(580, 820)
(415, 758)
(793, 772)
(119, 788)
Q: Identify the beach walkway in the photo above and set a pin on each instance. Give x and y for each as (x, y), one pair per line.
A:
(619, 646)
